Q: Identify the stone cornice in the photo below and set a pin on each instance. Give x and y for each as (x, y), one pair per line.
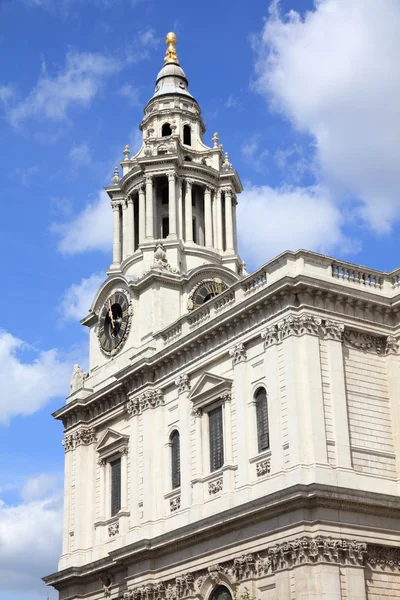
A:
(313, 549)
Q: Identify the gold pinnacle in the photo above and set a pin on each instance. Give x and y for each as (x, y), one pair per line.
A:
(170, 55)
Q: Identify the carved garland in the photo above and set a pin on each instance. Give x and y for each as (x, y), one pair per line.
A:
(331, 330)
(305, 550)
(148, 399)
(83, 435)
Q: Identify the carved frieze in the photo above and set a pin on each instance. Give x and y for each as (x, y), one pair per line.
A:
(365, 341)
(82, 436)
(148, 399)
(392, 345)
(238, 354)
(308, 550)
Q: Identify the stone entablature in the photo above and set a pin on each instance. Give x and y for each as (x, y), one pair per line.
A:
(279, 557)
(144, 401)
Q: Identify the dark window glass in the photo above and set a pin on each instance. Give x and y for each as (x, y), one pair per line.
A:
(165, 227)
(194, 231)
(262, 419)
(164, 195)
(221, 593)
(175, 460)
(166, 130)
(187, 135)
(115, 486)
(216, 439)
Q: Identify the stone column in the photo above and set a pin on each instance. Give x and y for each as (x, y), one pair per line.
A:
(149, 208)
(214, 219)
(239, 357)
(188, 212)
(235, 240)
(180, 211)
(393, 373)
(142, 215)
(228, 221)
(208, 217)
(172, 204)
(218, 210)
(131, 229)
(124, 230)
(183, 385)
(124, 480)
(116, 233)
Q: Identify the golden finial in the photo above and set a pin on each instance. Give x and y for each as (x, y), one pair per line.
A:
(170, 55)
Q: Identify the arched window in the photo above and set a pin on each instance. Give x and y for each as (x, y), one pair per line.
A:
(221, 593)
(187, 135)
(262, 419)
(166, 130)
(175, 459)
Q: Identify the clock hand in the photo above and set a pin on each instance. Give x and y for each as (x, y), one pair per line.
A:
(111, 316)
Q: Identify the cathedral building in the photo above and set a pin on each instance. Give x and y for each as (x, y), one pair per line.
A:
(236, 435)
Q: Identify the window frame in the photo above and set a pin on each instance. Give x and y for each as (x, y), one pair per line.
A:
(175, 484)
(262, 420)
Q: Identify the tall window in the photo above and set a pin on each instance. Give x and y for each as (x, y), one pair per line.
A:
(216, 439)
(175, 459)
(166, 130)
(187, 135)
(115, 486)
(262, 419)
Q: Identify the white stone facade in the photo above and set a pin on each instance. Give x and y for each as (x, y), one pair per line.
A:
(313, 515)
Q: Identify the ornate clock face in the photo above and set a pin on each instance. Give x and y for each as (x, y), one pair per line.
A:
(204, 291)
(114, 322)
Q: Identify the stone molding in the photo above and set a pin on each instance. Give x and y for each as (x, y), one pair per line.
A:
(365, 341)
(83, 435)
(285, 555)
(183, 383)
(148, 399)
(238, 354)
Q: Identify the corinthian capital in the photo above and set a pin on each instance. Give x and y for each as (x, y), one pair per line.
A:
(171, 175)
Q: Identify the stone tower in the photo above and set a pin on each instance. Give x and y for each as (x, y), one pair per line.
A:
(234, 432)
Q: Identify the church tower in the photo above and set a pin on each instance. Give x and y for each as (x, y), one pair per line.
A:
(176, 194)
(235, 433)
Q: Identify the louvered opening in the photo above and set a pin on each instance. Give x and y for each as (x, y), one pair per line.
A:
(115, 486)
(216, 439)
(262, 419)
(175, 460)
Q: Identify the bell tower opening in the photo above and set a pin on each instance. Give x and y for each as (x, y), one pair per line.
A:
(187, 135)
(166, 130)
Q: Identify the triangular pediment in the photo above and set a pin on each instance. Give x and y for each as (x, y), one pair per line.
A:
(208, 388)
(111, 440)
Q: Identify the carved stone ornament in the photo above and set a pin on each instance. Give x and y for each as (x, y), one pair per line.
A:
(175, 504)
(160, 261)
(214, 487)
(238, 354)
(107, 580)
(300, 325)
(83, 435)
(392, 345)
(365, 341)
(77, 379)
(148, 399)
(263, 468)
(113, 529)
(302, 550)
(183, 383)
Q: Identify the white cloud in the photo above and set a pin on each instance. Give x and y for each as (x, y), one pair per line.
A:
(336, 75)
(6, 94)
(30, 537)
(131, 94)
(91, 229)
(288, 218)
(79, 297)
(80, 155)
(76, 85)
(232, 101)
(29, 377)
(255, 156)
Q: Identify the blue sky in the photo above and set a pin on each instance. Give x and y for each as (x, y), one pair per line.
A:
(305, 99)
